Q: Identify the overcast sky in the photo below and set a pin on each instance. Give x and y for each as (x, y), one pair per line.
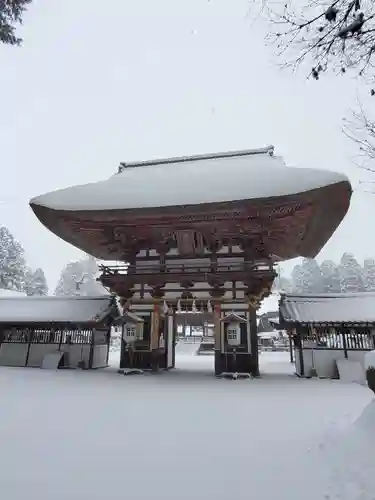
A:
(136, 80)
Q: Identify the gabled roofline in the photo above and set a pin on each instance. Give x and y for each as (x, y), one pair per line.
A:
(233, 317)
(210, 156)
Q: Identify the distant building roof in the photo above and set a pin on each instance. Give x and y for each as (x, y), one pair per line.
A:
(265, 324)
(55, 309)
(328, 308)
(128, 317)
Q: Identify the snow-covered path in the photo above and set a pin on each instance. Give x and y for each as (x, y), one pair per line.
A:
(93, 435)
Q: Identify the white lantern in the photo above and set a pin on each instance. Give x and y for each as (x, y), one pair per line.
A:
(130, 332)
(233, 334)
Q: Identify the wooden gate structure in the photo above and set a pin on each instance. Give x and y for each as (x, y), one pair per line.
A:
(198, 232)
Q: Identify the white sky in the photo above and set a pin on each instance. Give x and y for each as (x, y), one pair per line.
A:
(93, 86)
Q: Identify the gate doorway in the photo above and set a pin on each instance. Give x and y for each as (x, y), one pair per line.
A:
(195, 341)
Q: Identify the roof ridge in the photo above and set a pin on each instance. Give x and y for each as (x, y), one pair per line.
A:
(208, 156)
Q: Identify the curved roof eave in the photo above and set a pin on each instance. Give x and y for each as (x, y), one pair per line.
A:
(326, 208)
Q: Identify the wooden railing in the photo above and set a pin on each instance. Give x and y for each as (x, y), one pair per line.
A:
(46, 336)
(185, 268)
(327, 338)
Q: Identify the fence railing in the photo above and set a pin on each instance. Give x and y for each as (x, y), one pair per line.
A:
(335, 339)
(51, 336)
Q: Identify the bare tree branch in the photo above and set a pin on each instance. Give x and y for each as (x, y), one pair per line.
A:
(335, 36)
(331, 35)
(361, 130)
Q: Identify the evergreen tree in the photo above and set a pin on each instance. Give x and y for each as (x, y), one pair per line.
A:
(36, 283)
(307, 278)
(369, 275)
(12, 262)
(350, 274)
(347, 276)
(281, 282)
(313, 281)
(11, 12)
(297, 279)
(79, 278)
(330, 276)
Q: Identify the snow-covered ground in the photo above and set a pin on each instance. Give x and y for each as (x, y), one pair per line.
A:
(183, 435)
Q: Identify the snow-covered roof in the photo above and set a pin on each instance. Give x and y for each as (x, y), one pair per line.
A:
(54, 309)
(268, 335)
(4, 292)
(240, 175)
(275, 323)
(128, 317)
(233, 318)
(328, 308)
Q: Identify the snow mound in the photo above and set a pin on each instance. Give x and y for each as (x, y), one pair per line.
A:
(366, 422)
(370, 360)
(351, 455)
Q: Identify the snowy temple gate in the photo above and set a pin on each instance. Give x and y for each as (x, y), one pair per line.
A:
(200, 232)
(238, 289)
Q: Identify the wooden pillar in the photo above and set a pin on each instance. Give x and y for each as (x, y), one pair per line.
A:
(170, 337)
(154, 337)
(344, 343)
(92, 347)
(29, 339)
(291, 347)
(298, 339)
(253, 340)
(108, 344)
(217, 325)
(175, 337)
(217, 335)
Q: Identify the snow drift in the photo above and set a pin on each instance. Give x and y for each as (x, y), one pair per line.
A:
(350, 456)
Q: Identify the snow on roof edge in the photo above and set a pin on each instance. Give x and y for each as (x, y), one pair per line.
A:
(328, 308)
(55, 309)
(192, 185)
